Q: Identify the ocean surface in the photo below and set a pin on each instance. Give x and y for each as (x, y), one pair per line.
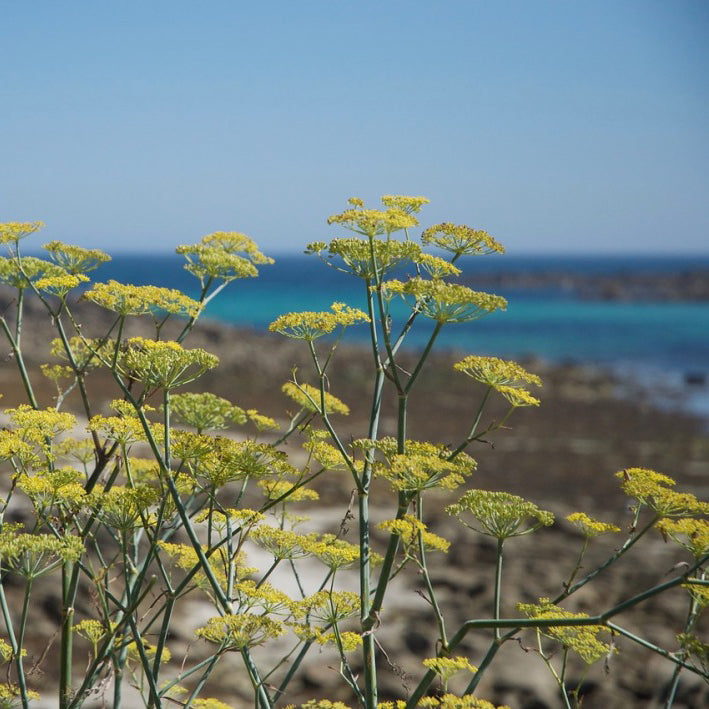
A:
(662, 344)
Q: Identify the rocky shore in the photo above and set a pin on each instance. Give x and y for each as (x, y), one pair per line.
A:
(688, 285)
(562, 456)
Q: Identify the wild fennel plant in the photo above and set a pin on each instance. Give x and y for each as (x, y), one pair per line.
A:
(145, 535)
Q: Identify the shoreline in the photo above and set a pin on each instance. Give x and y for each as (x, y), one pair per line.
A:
(591, 423)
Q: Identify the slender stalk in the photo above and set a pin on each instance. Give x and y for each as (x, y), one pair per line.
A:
(424, 357)
(17, 355)
(67, 638)
(498, 584)
(440, 621)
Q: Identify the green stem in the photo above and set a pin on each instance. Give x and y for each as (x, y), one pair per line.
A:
(498, 584)
(427, 580)
(424, 357)
(67, 639)
(17, 354)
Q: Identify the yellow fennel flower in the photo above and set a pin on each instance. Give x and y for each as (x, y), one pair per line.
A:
(12, 232)
(239, 630)
(374, 222)
(308, 397)
(205, 411)
(223, 255)
(38, 426)
(688, 532)
(21, 272)
(60, 285)
(590, 527)
(582, 639)
(75, 259)
(11, 695)
(446, 667)
(164, 364)
(410, 205)
(495, 372)
(654, 490)
(126, 299)
(445, 302)
(461, 239)
(364, 258)
(500, 514)
(311, 325)
(408, 528)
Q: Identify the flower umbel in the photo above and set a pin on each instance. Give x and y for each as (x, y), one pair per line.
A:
(311, 325)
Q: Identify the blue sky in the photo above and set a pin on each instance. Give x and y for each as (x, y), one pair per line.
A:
(557, 126)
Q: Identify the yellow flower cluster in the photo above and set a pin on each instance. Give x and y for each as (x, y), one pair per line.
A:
(445, 302)
(13, 447)
(327, 455)
(282, 543)
(60, 285)
(239, 630)
(75, 259)
(495, 372)
(11, 696)
(450, 701)
(500, 514)
(408, 528)
(185, 557)
(125, 508)
(437, 267)
(320, 704)
(210, 703)
(205, 411)
(87, 353)
(122, 429)
(654, 490)
(374, 222)
(12, 232)
(424, 466)
(5, 650)
(92, 630)
(356, 254)
(219, 256)
(223, 460)
(273, 489)
(126, 299)
(39, 425)
(262, 423)
(328, 607)
(31, 555)
(311, 325)
(164, 364)
(461, 239)
(688, 532)
(446, 667)
(333, 552)
(410, 205)
(19, 273)
(697, 650)
(308, 397)
(582, 639)
(243, 518)
(287, 544)
(61, 486)
(591, 527)
(699, 593)
(263, 598)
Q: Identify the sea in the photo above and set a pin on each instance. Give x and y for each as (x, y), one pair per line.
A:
(660, 346)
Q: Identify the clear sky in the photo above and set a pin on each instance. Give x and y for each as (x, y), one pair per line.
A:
(562, 126)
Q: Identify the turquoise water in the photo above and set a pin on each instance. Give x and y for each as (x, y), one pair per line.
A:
(550, 323)
(656, 345)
